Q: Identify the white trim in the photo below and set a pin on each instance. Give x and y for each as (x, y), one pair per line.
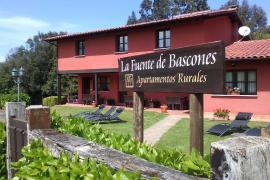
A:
(227, 95)
(121, 52)
(160, 49)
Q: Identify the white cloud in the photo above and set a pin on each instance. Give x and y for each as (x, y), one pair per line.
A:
(21, 23)
(15, 30)
(2, 59)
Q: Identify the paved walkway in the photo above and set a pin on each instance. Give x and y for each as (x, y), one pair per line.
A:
(155, 132)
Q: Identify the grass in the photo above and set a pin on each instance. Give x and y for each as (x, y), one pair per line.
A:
(150, 118)
(178, 136)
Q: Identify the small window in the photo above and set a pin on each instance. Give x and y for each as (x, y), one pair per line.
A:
(122, 43)
(80, 48)
(246, 81)
(103, 84)
(163, 39)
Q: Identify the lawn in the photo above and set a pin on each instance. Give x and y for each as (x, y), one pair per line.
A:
(178, 136)
(150, 118)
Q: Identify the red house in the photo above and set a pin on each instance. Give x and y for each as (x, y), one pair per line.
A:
(93, 57)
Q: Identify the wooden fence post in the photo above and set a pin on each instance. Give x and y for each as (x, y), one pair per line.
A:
(13, 110)
(18, 127)
(38, 117)
(196, 122)
(138, 106)
(246, 157)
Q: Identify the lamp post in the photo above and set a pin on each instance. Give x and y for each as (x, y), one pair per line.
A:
(17, 74)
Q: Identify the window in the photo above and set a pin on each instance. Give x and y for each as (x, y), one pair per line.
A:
(80, 48)
(103, 84)
(246, 81)
(122, 43)
(163, 39)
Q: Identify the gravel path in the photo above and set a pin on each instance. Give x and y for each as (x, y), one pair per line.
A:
(155, 132)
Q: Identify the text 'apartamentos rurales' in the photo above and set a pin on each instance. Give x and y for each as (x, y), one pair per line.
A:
(195, 69)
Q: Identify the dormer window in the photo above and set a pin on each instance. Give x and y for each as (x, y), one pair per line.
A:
(122, 43)
(163, 39)
(80, 48)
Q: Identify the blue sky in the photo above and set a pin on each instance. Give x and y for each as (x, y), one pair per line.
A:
(20, 20)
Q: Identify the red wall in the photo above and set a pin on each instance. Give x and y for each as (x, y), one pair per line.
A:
(100, 48)
(256, 104)
(111, 94)
(100, 54)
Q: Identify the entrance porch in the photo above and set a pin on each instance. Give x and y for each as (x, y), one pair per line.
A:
(103, 88)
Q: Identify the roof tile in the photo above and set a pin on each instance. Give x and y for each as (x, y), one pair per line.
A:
(253, 49)
(207, 13)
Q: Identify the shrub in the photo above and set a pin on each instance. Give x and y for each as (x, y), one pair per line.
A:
(222, 113)
(38, 163)
(193, 164)
(2, 151)
(52, 100)
(13, 98)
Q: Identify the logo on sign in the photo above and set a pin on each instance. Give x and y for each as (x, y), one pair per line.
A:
(129, 80)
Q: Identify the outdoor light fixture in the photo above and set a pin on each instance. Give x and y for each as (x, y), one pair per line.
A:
(17, 75)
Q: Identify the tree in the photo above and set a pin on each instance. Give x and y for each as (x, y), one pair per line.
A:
(258, 18)
(189, 6)
(230, 3)
(38, 58)
(132, 19)
(146, 11)
(163, 9)
(251, 16)
(262, 34)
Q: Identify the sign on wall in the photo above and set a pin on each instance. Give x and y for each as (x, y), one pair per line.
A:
(195, 69)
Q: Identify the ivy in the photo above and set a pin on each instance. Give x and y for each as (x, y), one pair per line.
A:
(193, 164)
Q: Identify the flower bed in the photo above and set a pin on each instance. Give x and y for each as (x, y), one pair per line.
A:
(221, 114)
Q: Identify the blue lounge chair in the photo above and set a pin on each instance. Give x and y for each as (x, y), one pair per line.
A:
(240, 121)
(108, 113)
(255, 131)
(97, 111)
(110, 118)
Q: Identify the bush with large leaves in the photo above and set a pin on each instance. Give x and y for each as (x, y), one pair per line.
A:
(193, 164)
(2, 151)
(38, 163)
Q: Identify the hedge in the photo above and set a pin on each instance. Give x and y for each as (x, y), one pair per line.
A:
(52, 100)
(12, 97)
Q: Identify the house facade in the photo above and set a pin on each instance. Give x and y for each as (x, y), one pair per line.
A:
(93, 58)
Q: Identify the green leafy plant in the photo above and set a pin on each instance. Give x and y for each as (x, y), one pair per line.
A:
(52, 100)
(2, 151)
(38, 163)
(222, 113)
(13, 98)
(192, 164)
